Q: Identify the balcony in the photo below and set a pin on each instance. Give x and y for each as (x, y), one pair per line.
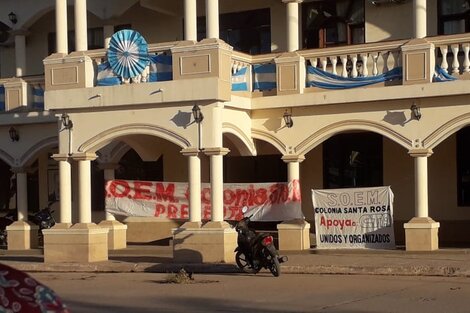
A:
(181, 71)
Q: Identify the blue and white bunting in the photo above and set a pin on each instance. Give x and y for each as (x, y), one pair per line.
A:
(264, 76)
(38, 97)
(160, 68)
(239, 80)
(2, 98)
(106, 75)
(440, 75)
(319, 78)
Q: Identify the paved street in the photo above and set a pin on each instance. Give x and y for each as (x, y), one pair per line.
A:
(150, 292)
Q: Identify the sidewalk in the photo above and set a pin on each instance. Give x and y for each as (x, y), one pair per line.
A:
(444, 262)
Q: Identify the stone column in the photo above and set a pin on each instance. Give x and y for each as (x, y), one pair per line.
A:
(217, 182)
(212, 19)
(20, 53)
(117, 232)
(84, 186)
(21, 234)
(421, 232)
(190, 20)
(293, 24)
(419, 18)
(61, 26)
(108, 32)
(81, 28)
(65, 190)
(194, 171)
(42, 181)
(294, 234)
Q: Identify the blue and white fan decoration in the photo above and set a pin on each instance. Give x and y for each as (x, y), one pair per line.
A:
(128, 54)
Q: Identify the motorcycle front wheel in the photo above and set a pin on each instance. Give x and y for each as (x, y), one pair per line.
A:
(274, 266)
(244, 264)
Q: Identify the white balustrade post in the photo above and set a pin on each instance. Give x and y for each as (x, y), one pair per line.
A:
(81, 28)
(190, 20)
(455, 61)
(466, 61)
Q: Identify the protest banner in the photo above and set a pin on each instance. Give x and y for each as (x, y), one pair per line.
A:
(354, 218)
(169, 200)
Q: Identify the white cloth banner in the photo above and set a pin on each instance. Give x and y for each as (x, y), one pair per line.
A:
(166, 200)
(354, 218)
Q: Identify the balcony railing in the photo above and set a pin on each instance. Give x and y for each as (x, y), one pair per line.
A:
(391, 63)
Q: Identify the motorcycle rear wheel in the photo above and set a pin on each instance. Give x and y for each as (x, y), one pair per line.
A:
(244, 264)
(274, 266)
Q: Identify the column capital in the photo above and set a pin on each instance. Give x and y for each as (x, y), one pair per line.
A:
(216, 151)
(190, 151)
(292, 1)
(288, 158)
(420, 152)
(61, 157)
(84, 156)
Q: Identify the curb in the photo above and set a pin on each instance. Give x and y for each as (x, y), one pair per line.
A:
(219, 268)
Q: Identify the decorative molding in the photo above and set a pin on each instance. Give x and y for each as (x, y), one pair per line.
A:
(94, 142)
(268, 137)
(446, 130)
(31, 154)
(235, 130)
(328, 131)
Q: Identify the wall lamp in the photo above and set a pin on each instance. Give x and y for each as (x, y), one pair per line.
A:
(288, 119)
(12, 18)
(415, 110)
(197, 114)
(66, 122)
(14, 136)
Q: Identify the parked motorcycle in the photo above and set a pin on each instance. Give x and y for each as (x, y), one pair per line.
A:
(44, 219)
(5, 221)
(256, 250)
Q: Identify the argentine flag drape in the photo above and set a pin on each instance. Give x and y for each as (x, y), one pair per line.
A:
(440, 75)
(106, 75)
(2, 98)
(38, 97)
(160, 68)
(239, 80)
(128, 53)
(319, 78)
(264, 76)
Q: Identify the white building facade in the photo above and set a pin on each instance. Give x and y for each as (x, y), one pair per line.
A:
(246, 65)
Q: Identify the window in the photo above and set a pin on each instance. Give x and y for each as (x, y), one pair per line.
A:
(95, 38)
(463, 167)
(248, 31)
(330, 23)
(352, 160)
(454, 16)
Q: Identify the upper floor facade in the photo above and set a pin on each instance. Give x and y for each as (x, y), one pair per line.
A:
(251, 49)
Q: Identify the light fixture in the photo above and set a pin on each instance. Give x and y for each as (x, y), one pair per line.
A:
(14, 136)
(12, 18)
(197, 114)
(66, 122)
(416, 111)
(288, 119)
